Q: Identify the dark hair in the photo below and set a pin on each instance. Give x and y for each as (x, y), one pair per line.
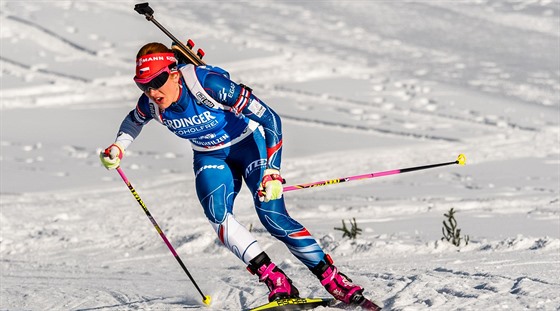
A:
(153, 47)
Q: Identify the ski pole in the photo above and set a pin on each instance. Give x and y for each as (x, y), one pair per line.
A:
(205, 298)
(461, 160)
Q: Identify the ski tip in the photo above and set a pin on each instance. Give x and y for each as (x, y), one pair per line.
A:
(461, 159)
(207, 300)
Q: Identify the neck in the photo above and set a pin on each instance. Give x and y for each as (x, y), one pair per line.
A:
(179, 92)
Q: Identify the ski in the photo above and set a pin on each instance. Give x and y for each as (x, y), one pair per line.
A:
(289, 304)
(366, 304)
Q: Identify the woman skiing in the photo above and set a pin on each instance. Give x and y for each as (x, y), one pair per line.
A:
(235, 137)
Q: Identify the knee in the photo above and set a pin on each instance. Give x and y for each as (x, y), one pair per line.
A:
(216, 214)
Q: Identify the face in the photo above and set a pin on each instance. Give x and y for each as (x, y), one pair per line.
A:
(167, 94)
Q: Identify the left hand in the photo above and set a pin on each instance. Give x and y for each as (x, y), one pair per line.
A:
(111, 157)
(271, 185)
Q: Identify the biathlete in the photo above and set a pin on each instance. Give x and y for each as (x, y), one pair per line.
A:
(235, 137)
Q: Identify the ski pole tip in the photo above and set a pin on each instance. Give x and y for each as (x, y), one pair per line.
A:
(207, 300)
(461, 159)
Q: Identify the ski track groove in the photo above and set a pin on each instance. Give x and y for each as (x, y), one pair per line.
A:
(53, 35)
(396, 292)
(48, 73)
(366, 129)
(403, 111)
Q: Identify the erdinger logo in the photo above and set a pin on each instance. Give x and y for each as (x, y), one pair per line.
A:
(205, 167)
(202, 118)
(254, 165)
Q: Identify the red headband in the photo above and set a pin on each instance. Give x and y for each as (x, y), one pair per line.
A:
(149, 65)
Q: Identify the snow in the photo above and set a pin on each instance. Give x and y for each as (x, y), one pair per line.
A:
(361, 86)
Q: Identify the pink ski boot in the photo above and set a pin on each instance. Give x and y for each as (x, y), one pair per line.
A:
(336, 283)
(279, 285)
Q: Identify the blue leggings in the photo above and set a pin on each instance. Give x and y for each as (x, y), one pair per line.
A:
(219, 176)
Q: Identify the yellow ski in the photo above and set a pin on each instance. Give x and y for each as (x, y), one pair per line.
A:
(289, 304)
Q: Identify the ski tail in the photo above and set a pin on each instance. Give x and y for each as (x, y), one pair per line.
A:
(366, 304)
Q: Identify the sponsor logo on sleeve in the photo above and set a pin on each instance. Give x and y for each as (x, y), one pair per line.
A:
(256, 108)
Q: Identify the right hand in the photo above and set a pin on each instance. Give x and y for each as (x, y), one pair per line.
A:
(271, 185)
(111, 157)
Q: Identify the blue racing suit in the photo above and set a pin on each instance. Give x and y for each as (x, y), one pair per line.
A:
(235, 137)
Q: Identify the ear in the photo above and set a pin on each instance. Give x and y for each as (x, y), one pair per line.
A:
(175, 75)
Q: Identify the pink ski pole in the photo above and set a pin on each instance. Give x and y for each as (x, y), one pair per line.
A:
(461, 160)
(205, 298)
